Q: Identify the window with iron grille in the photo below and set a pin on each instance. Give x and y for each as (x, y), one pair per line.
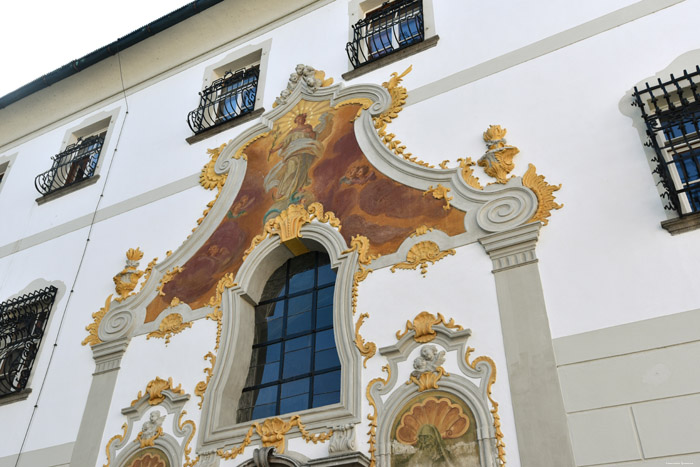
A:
(294, 364)
(385, 30)
(671, 112)
(229, 97)
(22, 324)
(76, 163)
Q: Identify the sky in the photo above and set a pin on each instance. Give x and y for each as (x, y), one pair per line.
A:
(38, 36)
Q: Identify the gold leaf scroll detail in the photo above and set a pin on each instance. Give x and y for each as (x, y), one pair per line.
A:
(428, 380)
(147, 272)
(113, 439)
(363, 101)
(287, 225)
(500, 444)
(440, 192)
(422, 230)
(421, 254)
(360, 243)
(171, 325)
(468, 173)
(155, 389)
(126, 280)
(92, 328)
(272, 432)
(498, 160)
(544, 192)
(189, 462)
(145, 442)
(373, 416)
(208, 178)
(422, 326)
(216, 315)
(167, 277)
(398, 100)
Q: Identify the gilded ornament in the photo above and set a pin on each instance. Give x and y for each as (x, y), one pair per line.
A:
(209, 179)
(272, 432)
(150, 441)
(440, 192)
(498, 159)
(443, 164)
(373, 416)
(168, 276)
(448, 418)
(126, 280)
(422, 230)
(189, 462)
(201, 388)
(92, 328)
(428, 368)
(398, 100)
(155, 389)
(119, 439)
(169, 326)
(421, 254)
(544, 192)
(422, 326)
(468, 173)
(364, 102)
(367, 349)
(287, 225)
(240, 154)
(147, 272)
(500, 444)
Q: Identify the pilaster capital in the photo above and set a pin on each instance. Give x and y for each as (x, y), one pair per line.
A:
(512, 248)
(108, 355)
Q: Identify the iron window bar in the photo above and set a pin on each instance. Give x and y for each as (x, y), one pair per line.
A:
(391, 27)
(76, 163)
(671, 113)
(229, 97)
(22, 325)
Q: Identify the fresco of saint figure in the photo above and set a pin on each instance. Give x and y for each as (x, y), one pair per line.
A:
(434, 430)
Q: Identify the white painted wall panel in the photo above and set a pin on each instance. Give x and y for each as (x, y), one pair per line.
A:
(604, 436)
(669, 427)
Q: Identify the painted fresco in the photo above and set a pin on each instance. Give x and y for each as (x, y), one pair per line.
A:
(311, 155)
(437, 429)
(148, 458)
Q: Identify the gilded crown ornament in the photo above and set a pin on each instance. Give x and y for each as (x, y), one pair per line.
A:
(498, 159)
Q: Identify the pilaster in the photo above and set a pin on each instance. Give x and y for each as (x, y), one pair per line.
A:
(538, 406)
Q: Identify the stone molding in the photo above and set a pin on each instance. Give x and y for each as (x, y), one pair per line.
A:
(108, 355)
(683, 224)
(512, 248)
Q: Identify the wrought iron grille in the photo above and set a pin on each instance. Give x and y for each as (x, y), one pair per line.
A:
(77, 162)
(671, 112)
(22, 325)
(389, 28)
(227, 98)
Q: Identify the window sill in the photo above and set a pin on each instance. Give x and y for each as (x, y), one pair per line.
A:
(682, 224)
(391, 58)
(64, 191)
(18, 396)
(225, 126)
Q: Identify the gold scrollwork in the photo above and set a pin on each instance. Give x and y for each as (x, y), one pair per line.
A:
(468, 173)
(189, 462)
(147, 272)
(498, 159)
(118, 438)
(92, 328)
(500, 444)
(398, 100)
(364, 102)
(422, 326)
(171, 325)
(145, 442)
(440, 192)
(367, 349)
(126, 280)
(428, 380)
(287, 225)
(422, 230)
(208, 178)
(544, 192)
(373, 416)
(155, 389)
(421, 254)
(167, 277)
(272, 432)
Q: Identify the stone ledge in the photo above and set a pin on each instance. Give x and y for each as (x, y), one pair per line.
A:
(225, 126)
(18, 396)
(391, 58)
(64, 191)
(683, 224)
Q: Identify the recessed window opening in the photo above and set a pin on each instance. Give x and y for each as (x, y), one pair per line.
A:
(294, 364)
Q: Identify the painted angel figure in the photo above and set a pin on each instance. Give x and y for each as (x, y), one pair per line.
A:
(299, 149)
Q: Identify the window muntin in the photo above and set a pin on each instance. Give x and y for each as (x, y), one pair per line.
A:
(22, 324)
(76, 163)
(229, 97)
(294, 364)
(386, 29)
(671, 111)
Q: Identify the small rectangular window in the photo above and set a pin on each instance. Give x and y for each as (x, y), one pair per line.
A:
(22, 325)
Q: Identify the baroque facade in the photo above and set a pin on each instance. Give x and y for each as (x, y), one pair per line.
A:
(356, 233)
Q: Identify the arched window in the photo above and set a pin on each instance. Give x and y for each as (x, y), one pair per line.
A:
(294, 364)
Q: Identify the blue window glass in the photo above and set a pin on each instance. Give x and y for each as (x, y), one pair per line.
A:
(237, 96)
(294, 363)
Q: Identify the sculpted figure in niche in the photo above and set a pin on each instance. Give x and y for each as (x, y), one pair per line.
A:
(435, 429)
(152, 426)
(430, 359)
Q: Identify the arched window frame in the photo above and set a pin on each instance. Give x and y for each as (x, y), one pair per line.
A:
(219, 427)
